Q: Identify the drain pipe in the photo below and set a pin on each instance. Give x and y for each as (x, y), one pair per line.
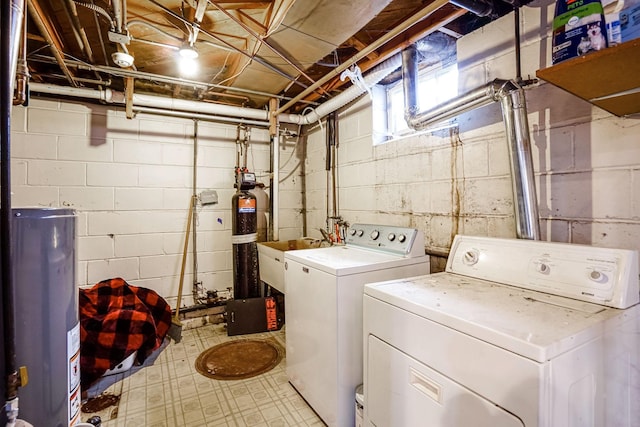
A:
(514, 113)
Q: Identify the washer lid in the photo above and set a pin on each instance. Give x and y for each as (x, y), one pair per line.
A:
(346, 260)
(532, 324)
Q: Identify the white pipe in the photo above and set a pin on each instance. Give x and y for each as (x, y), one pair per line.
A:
(139, 100)
(275, 188)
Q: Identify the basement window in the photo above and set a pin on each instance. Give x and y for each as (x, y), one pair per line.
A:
(435, 85)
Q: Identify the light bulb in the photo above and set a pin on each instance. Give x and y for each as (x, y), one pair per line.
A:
(187, 51)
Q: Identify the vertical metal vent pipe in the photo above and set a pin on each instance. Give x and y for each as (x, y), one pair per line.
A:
(514, 113)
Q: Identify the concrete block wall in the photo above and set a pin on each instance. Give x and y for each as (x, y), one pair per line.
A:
(586, 161)
(130, 181)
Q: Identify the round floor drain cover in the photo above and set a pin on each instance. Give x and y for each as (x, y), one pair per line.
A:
(236, 360)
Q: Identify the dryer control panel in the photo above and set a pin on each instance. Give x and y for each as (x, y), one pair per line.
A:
(408, 242)
(599, 275)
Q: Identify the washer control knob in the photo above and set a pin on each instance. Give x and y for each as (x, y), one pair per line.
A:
(375, 234)
(471, 257)
(543, 268)
(391, 237)
(597, 276)
(401, 238)
(360, 233)
(352, 231)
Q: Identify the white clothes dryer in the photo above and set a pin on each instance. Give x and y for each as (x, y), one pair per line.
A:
(323, 305)
(513, 333)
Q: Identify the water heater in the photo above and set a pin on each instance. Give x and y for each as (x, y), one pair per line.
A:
(46, 306)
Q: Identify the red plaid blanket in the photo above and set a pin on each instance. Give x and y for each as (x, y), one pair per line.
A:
(117, 319)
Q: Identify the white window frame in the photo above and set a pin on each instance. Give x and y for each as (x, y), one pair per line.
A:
(434, 86)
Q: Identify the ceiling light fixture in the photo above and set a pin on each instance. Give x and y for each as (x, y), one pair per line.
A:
(188, 51)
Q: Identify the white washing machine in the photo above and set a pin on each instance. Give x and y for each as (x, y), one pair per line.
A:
(323, 304)
(513, 333)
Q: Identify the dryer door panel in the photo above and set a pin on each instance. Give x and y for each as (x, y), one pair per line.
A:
(404, 392)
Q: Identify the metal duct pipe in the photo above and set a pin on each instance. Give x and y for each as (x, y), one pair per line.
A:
(514, 113)
(477, 7)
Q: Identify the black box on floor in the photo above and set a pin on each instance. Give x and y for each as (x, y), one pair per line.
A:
(252, 315)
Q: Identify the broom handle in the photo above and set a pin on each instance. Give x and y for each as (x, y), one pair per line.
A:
(184, 254)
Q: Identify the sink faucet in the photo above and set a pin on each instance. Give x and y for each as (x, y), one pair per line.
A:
(325, 236)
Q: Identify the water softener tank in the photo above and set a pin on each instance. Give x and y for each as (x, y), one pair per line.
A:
(246, 279)
(46, 309)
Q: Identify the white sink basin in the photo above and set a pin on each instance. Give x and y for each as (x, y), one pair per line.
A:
(271, 258)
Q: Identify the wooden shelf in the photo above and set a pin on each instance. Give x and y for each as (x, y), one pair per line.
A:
(609, 78)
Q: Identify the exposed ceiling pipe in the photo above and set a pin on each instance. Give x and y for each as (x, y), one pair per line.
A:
(38, 16)
(202, 117)
(113, 97)
(423, 13)
(21, 69)
(121, 72)
(117, 12)
(478, 7)
(17, 21)
(514, 113)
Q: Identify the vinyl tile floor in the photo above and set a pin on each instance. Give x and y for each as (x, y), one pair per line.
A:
(172, 393)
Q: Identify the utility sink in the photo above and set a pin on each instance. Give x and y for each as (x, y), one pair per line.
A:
(271, 258)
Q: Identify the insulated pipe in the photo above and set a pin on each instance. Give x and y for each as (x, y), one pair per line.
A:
(514, 113)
